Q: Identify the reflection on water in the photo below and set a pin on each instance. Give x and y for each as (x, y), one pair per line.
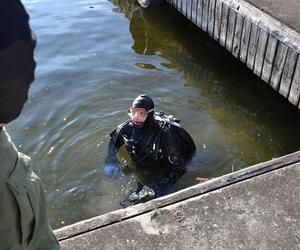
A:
(94, 57)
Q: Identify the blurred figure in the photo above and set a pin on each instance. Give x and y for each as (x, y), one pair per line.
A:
(158, 146)
(23, 207)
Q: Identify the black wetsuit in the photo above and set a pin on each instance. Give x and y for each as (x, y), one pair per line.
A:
(158, 152)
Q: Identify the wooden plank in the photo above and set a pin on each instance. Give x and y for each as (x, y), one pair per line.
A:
(288, 71)
(269, 59)
(199, 13)
(230, 29)
(205, 15)
(178, 5)
(183, 7)
(211, 17)
(252, 46)
(188, 9)
(278, 65)
(260, 53)
(295, 88)
(218, 14)
(237, 35)
(224, 20)
(245, 39)
(194, 11)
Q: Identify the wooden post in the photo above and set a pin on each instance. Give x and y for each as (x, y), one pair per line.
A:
(223, 29)
(252, 46)
(260, 53)
(194, 11)
(269, 59)
(211, 17)
(278, 65)
(288, 71)
(237, 35)
(230, 29)
(245, 39)
(295, 88)
(199, 13)
(183, 7)
(218, 14)
(205, 15)
(179, 4)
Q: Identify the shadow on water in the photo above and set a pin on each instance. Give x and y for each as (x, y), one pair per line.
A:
(92, 62)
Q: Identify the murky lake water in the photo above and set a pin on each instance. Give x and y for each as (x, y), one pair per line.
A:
(95, 57)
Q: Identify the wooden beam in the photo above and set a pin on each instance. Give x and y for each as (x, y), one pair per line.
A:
(224, 20)
(194, 11)
(237, 35)
(245, 39)
(278, 65)
(288, 71)
(199, 13)
(205, 15)
(269, 59)
(252, 46)
(230, 29)
(218, 14)
(295, 88)
(260, 53)
(211, 17)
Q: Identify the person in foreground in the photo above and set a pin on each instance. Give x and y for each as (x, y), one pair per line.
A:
(23, 208)
(158, 147)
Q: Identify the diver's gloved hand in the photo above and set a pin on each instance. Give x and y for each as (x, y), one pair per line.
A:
(109, 169)
(145, 194)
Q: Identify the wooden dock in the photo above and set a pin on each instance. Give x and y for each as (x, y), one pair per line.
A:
(268, 47)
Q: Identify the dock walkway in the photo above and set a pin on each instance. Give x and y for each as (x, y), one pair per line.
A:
(254, 208)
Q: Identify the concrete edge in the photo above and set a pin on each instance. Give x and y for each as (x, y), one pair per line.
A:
(211, 185)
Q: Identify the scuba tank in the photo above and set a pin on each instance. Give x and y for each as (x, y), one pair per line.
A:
(169, 121)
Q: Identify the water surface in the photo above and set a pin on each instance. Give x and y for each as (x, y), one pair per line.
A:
(95, 57)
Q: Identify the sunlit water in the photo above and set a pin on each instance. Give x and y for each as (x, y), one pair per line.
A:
(95, 57)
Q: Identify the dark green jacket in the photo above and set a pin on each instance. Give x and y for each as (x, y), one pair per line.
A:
(23, 208)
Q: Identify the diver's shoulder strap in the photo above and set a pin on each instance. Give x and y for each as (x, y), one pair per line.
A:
(118, 129)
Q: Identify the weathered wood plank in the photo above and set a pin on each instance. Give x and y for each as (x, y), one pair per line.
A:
(178, 5)
(224, 20)
(183, 7)
(295, 88)
(252, 46)
(199, 13)
(237, 35)
(194, 11)
(260, 53)
(288, 71)
(278, 65)
(189, 9)
(269, 59)
(245, 39)
(218, 14)
(205, 15)
(211, 17)
(230, 29)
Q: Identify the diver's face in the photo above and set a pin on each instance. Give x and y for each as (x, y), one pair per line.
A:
(138, 116)
(16, 74)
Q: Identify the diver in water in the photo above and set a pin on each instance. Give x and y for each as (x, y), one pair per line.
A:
(157, 145)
